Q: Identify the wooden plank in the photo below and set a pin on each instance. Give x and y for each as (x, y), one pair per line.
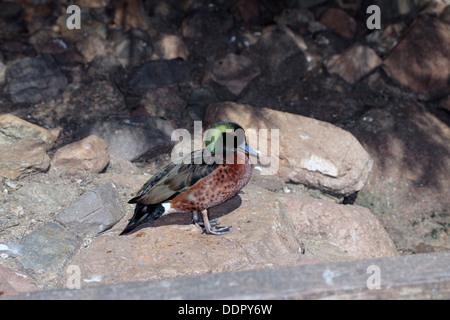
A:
(422, 276)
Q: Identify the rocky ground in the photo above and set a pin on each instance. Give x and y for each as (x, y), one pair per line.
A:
(359, 167)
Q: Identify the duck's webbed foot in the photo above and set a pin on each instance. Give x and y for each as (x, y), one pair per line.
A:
(209, 226)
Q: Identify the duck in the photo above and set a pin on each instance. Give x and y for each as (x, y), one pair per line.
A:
(201, 180)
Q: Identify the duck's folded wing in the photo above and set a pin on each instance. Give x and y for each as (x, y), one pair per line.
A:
(174, 179)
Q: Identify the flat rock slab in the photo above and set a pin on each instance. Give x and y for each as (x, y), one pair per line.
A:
(95, 211)
(45, 251)
(310, 152)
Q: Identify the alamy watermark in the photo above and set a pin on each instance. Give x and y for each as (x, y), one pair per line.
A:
(74, 20)
(267, 161)
(74, 17)
(374, 21)
(374, 280)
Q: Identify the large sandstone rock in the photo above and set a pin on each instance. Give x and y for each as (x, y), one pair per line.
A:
(348, 230)
(310, 152)
(269, 230)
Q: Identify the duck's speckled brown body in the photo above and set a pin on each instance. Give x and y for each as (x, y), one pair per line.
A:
(206, 180)
(220, 185)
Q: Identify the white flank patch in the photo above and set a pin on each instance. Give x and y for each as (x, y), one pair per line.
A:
(166, 206)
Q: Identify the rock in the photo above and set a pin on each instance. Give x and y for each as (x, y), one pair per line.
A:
(205, 23)
(90, 27)
(310, 152)
(32, 80)
(132, 48)
(119, 165)
(234, 72)
(14, 282)
(97, 210)
(206, 32)
(265, 235)
(13, 129)
(24, 157)
(130, 14)
(46, 40)
(168, 47)
(346, 229)
(10, 11)
(279, 54)
(161, 73)
(270, 182)
(384, 40)
(445, 16)
(106, 67)
(45, 251)
(353, 64)
(295, 18)
(91, 46)
(420, 61)
(87, 155)
(44, 199)
(133, 138)
(246, 10)
(163, 102)
(340, 22)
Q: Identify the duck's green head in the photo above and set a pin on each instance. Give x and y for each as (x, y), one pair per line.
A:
(226, 135)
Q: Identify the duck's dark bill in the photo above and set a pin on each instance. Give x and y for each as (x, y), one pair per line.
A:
(244, 146)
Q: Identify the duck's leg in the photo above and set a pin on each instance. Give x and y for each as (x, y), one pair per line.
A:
(211, 229)
(195, 220)
(199, 224)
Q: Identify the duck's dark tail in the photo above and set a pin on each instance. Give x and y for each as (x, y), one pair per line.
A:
(143, 213)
